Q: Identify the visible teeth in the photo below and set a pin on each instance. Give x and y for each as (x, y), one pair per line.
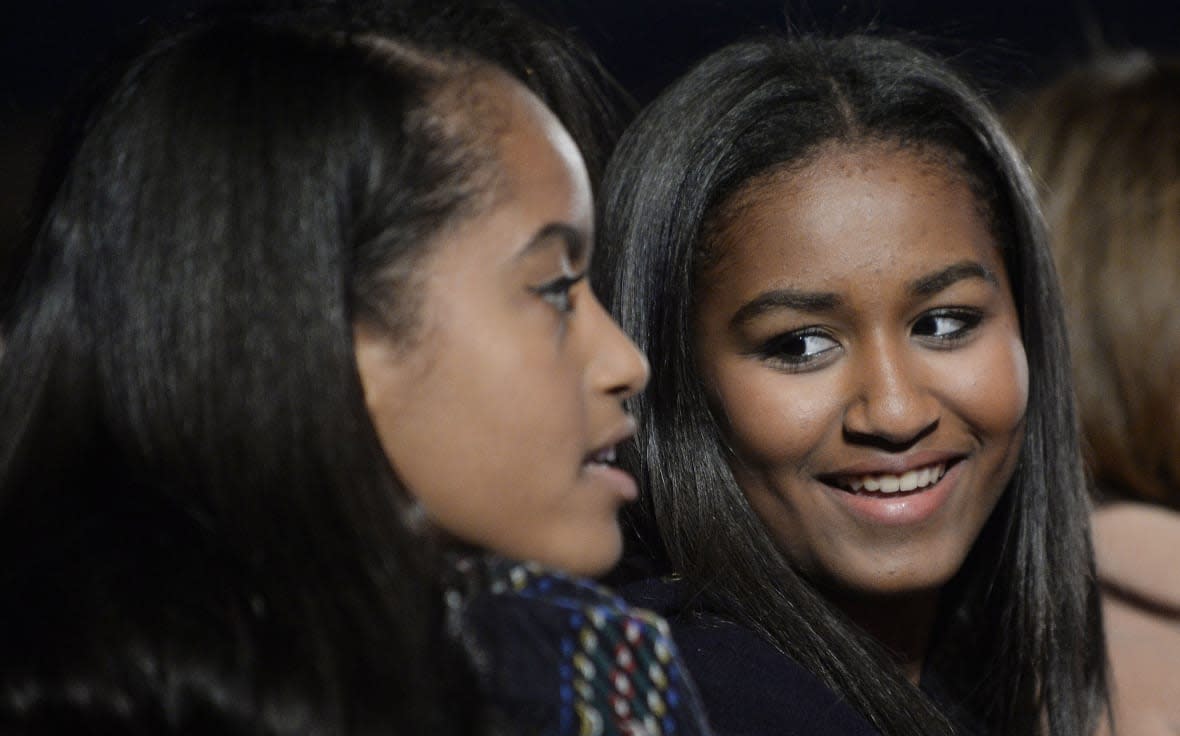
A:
(908, 481)
(604, 457)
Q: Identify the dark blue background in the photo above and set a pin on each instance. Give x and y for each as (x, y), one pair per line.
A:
(647, 42)
(1005, 44)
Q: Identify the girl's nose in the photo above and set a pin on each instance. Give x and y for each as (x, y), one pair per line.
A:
(890, 403)
(618, 367)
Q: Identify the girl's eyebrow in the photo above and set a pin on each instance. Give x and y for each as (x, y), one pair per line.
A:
(800, 301)
(559, 233)
(931, 284)
(820, 301)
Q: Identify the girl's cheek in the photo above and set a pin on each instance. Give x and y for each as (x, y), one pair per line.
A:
(775, 418)
(991, 382)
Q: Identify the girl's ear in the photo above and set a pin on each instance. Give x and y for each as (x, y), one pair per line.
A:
(386, 375)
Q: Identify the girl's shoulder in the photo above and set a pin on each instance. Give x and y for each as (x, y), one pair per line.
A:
(558, 654)
(746, 684)
(1135, 552)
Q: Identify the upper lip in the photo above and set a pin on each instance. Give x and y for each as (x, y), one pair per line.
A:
(894, 465)
(621, 434)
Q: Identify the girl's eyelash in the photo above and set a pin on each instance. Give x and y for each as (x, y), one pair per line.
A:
(807, 348)
(557, 292)
(791, 349)
(969, 319)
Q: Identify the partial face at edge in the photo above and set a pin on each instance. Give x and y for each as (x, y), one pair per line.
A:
(859, 337)
(500, 415)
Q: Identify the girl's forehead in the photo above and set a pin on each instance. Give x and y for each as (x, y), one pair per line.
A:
(824, 164)
(845, 186)
(864, 222)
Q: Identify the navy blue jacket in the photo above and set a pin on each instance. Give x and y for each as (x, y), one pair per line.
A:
(748, 687)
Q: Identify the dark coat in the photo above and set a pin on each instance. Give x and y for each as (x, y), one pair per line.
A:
(747, 686)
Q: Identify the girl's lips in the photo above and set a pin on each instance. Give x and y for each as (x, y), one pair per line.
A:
(617, 480)
(606, 452)
(901, 482)
(899, 508)
(893, 473)
(600, 466)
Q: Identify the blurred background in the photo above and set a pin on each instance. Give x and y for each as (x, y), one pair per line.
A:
(1006, 45)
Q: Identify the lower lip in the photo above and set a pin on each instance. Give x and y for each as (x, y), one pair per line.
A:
(619, 481)
(901, 509)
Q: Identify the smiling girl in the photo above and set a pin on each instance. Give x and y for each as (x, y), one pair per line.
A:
(858, 456)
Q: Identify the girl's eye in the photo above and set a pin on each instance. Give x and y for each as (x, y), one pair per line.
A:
(947, 325)
(798, 349)
(557, 292)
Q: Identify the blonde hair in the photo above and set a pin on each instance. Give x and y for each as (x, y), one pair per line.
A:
(1104, 141)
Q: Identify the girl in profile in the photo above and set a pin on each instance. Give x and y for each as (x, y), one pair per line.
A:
(309, 414)
(857, 456)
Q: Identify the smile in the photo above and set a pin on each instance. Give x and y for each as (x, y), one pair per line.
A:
(910, 480)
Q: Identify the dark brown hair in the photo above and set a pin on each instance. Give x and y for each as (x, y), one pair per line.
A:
(202, 531)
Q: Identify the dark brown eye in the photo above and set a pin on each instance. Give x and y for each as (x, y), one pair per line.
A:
(798, 348)
(947, 324)
(557, 292)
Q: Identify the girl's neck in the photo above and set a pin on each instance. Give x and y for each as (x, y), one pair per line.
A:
(903, 624)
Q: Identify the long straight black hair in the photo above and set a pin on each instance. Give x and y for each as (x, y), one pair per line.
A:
(551, 61)
(199, 531)
(1018, 645)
